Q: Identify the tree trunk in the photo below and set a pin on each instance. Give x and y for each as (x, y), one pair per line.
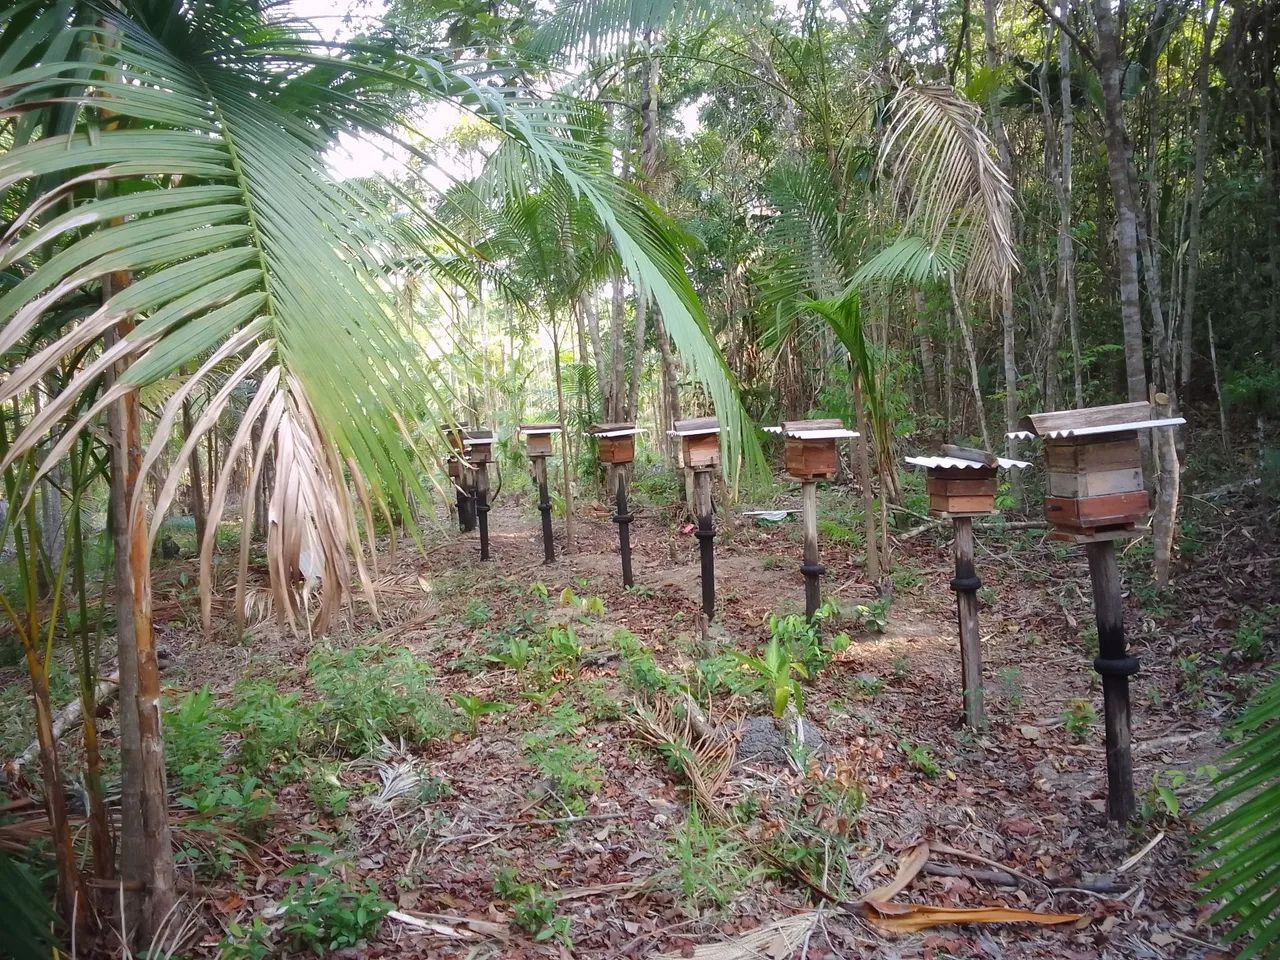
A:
(966, 337)
(637, 358)
(928, 363)
(670, 383)
(1065, 245)
(1164, 523)
(1008, 341)
(617, 320)
(874, 573)
(146, 851)
(1195, 202)
(1111, 70)
(566, 465)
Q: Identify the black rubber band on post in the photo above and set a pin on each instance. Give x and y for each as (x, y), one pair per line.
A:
(1119, 667)
(704, 534)
(812, 570)
(623, 517)
(966, 584)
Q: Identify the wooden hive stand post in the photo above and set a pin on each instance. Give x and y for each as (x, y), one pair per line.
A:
(962, 485)
(538, 445)
(809, 455)
(482, 507)
(544, 507)
(623, 519)
(966, 585)
(812, 567)
(706, 535)
(1115, 666)
(1096, 496)
(616, 443)
(700, 452)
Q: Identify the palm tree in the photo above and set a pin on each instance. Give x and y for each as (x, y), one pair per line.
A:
(167, 209)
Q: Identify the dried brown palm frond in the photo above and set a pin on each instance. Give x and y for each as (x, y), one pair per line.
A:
(704, 760)
(782, 938)
(945, 176)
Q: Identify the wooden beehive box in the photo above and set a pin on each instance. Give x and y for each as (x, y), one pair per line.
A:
(699, 442)
(453, 466)
(962, 482)
(1094, 462)
(809, 448)
(477, 445)
(538, 438)
(616, 442)
(454, 434)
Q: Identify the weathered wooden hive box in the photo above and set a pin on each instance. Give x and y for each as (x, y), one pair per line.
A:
(1094, 463)
(454, 434)
(699, 442)
(809, 448)
(616, 442)
(538, 438)
(477, 444)
(963, 482)
(453, 466)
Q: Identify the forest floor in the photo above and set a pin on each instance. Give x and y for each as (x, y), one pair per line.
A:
(472, 759)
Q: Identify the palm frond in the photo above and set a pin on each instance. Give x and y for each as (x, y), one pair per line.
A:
(945, 177)
(1242, 845)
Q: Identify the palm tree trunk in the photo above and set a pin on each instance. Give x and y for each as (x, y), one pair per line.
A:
(637, 359)
(196, 486)
(874, 573)
(87, 657)
(146, 851)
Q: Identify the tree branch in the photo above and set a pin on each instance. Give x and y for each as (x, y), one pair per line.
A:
(1082, 45)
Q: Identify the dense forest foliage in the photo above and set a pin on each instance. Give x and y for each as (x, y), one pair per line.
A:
(254, 256)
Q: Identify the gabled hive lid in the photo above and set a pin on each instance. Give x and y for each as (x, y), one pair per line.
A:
(813, 430)
(697, 427)
(965, 458)
(477, 437)
(539, 429)
(1092, 421)
(613, 430)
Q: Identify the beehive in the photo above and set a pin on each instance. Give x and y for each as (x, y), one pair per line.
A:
(1094, 461)
(809, 448)
(616, 442)
(538, 438)
(454, 434)
(699, 442)
(477, 445)
(963, 483)
(453, 467)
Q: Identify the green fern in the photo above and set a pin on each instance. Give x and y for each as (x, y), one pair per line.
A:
(1243, 844)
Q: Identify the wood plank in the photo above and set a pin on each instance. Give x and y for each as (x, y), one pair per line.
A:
(1113, 508)
(961, 488)
(962, 505)
(1094, 483)
(970, 453)
(1054, 420)
(962, 473)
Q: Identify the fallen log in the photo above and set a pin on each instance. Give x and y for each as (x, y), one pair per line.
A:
(67, 719)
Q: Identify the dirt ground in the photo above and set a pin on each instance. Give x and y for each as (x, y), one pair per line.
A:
(1013, 815)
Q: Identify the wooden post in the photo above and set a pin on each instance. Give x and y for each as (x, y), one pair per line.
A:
(966, 584)
(812, 567)
(544, 507)
(482, 507)
(705, 534)
(1116, 667)
(623, 519)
